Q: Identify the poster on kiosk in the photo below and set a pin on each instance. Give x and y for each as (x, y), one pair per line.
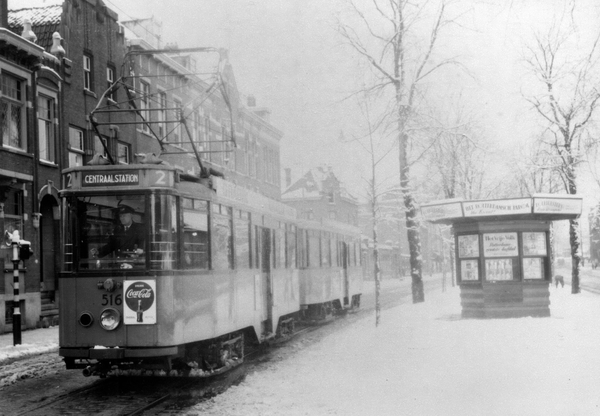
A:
(140, 302)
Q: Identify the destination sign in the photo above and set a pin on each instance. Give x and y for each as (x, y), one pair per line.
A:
(117, 178)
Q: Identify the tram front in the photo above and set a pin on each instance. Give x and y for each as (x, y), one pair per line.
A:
(120, 250)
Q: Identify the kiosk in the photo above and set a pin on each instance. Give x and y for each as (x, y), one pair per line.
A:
(503, 251)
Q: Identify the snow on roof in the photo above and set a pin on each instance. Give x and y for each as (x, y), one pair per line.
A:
(44, 22)
(311, 185)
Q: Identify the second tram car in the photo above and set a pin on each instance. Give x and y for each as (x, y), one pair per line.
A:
(212, 265)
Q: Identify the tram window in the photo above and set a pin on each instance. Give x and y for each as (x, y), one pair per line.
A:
(281, 246)
(163, 244)
(109, 231)
(257, 245)
(314, 249)
(242, 241)
(222, 239)
(301, 247)
(334, 251)
(290, 245)
(195, 234)
(325, 250)
(274, 246)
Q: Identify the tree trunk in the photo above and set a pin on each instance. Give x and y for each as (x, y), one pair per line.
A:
(412, 225)
(575, 239)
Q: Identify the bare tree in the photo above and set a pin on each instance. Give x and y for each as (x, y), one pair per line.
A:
(377, 152)
(387, 37)
(566, 103)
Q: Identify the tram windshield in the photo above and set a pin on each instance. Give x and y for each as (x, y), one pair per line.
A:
(121, 232)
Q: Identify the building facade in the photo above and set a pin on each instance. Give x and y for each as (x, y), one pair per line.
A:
(75, 49)
(58, 64)
(231, 135)
(319, 194)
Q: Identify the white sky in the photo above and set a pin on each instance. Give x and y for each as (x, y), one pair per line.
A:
(288, 55)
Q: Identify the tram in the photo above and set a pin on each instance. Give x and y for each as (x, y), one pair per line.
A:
(213, 267)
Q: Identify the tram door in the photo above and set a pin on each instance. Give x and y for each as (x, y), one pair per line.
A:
(345, 278)
(267, 278)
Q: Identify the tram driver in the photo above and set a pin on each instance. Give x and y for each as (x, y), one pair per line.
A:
(128, 238)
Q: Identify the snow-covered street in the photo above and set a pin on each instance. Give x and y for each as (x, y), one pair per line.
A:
(422, 360)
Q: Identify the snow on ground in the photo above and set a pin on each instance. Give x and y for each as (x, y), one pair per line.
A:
(33, 342)
(424, 360)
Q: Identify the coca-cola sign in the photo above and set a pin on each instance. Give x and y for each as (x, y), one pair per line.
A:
(139, 296)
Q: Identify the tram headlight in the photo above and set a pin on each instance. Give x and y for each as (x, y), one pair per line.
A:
(110, 319)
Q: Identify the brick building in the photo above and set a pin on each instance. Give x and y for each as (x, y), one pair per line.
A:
(72, 51)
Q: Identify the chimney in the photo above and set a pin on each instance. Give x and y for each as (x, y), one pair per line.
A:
(4, 14)
(57, 49)
(288, 177)
(251, 101)
(27, 32)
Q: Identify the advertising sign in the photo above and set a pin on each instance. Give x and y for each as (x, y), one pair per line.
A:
(436, 212)
(468, 246)
(534, 244)
(469, 270)
(140, 302)
(497, 207)
(500, 245)
(557, 205)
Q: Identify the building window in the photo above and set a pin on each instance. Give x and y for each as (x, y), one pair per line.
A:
(75, 147)
(162, 114)
(206, 138)
(110, 80)
(11, 112)
(177, 130)
(87, 73)
(123, 153)
(99, 148)
(46, 129)
(145, 104)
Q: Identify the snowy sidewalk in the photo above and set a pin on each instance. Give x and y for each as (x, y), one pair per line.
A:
(425, 361)
(34, 341)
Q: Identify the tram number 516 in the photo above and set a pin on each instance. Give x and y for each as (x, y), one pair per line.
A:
(110, 299)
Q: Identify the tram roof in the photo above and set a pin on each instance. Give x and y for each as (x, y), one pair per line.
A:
(539, 207)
